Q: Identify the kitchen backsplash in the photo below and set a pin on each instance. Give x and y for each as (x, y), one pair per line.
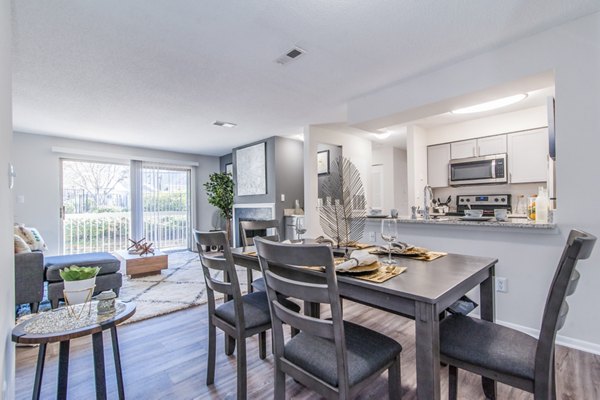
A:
(515, 190)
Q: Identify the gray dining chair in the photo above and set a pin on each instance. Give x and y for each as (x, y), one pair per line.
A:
(333, 357)
(248, 233)
(509, 356)
(242, 316)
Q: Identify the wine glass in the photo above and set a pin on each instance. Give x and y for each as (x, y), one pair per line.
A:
(300, 228)
(389, 233)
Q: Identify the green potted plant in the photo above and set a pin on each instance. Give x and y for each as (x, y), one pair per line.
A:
(79, 283)
(219, 190)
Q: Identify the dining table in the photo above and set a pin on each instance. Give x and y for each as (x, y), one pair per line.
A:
(422, 292)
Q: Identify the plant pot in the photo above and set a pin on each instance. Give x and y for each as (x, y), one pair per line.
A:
(77, 292)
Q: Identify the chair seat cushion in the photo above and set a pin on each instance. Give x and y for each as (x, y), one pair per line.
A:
(368, 351)
(108, 264)
(259, 284)
(488, 345)
(256, 310)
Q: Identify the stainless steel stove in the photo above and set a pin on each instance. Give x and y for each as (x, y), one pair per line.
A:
(485, 202)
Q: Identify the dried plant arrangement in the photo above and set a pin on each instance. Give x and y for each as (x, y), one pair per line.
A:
(343, 209)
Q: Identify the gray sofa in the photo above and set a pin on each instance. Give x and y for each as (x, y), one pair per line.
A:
(32, 269)
(29, 279)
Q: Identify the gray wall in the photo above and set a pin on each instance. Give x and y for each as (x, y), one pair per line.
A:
(289, 161)
(285, 166)
(224, 160)
(7, 297)
(334, 153)
(38, 169)
(269, 197)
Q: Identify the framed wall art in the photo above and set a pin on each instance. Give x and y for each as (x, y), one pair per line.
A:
(323, 162)
(251, 170)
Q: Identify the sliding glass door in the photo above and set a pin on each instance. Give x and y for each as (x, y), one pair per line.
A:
(104, 204)
(95, 206)
(166, 205)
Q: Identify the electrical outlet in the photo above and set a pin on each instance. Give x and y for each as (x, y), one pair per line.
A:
(501, 284)
(372, 237)
(282, 197)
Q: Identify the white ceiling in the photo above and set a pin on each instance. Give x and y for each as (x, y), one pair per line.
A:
(158, 73)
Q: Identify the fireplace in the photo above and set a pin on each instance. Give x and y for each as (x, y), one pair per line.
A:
(250, 212)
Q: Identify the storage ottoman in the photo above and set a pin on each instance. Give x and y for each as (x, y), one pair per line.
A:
(108, 278)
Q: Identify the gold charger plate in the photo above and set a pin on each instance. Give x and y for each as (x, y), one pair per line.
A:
(362, 269)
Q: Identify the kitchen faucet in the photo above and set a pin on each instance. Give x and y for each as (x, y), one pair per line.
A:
(427, 197)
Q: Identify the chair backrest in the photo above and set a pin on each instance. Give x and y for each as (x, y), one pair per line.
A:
(247, 228)
(579, 247)
(282, 267)
(219, 271)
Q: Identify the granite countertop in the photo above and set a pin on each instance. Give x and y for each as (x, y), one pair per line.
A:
(451, 220)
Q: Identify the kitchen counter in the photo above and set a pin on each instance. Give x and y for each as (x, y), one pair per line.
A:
(519, 223)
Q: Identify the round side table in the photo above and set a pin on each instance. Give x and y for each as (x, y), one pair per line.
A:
(61, 326)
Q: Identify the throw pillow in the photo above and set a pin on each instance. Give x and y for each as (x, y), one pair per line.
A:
(31, 236)
(21, 246)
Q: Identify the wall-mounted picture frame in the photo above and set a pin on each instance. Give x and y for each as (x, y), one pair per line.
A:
(251, 170)
(229, 168)
(323, 162)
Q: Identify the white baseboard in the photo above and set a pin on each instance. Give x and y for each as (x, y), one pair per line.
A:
(566, 341)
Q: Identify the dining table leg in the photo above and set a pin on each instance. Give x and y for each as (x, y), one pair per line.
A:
(99, 372)
(39, 371)
(63, 370)
(487, 293)
(117, 357)
(427, 343)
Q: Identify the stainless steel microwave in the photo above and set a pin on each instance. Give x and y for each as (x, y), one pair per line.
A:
(478, 170)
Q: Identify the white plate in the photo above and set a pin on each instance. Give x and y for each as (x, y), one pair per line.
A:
(475, 218)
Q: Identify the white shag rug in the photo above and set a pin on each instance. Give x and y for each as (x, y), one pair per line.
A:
(176, 288)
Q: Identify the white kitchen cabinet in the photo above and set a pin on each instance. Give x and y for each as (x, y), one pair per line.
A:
(463, 149)
(437, 165)
(528, 156)
(478, 147)
(491, 145)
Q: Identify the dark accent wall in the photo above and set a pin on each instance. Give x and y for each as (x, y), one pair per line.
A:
(224, 160)
(334, 153)
(289, 161)
(265, 198)
(285, 175)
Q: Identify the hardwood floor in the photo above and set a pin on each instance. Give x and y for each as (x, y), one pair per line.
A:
(165, 358)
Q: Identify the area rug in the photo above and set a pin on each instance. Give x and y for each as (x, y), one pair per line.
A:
(176, 288)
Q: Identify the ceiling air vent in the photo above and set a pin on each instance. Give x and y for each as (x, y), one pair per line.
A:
(291, 55)
(225, 124)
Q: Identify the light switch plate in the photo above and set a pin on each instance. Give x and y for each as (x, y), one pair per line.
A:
(282, 197)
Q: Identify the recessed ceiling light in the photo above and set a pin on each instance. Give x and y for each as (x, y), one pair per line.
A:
(225, 124)
(491, 105)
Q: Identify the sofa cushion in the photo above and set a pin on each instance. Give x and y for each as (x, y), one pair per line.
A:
(108, 264)
(31, 236)
(21, 246)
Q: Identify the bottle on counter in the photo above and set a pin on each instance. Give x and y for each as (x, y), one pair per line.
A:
(531, 203)
(541, 214)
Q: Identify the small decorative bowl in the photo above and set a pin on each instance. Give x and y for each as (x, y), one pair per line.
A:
(106, 302)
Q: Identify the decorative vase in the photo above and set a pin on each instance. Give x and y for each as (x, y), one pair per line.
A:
(78, 292)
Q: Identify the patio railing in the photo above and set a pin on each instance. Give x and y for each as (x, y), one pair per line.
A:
(92, 232)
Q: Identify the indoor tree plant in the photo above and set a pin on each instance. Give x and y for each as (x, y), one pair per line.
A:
(219, 190)
(79, 283)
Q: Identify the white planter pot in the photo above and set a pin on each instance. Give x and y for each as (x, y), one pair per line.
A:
(78, 292)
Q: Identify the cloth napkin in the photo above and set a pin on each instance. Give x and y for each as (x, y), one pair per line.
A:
(357, 258)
